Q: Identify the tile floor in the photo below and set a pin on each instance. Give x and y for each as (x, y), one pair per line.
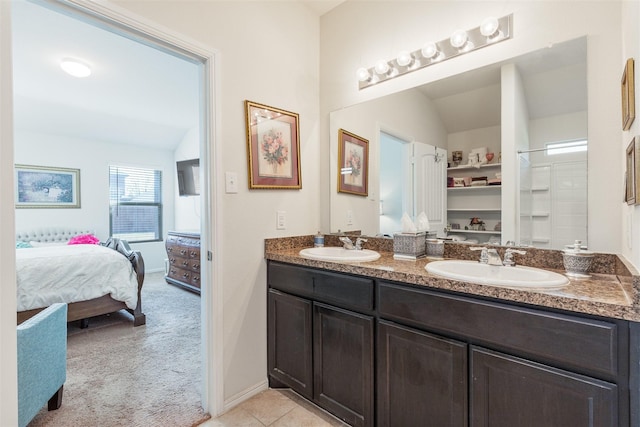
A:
(275, 408)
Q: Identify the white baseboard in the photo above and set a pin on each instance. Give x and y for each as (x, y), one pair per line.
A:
(245, 395)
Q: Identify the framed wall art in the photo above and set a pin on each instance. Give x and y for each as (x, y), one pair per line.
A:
(628, 95)
(273, 146)
(47, 187)
(353, 163)
(632, 175)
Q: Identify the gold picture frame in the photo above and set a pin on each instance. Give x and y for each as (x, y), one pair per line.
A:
(273, 147)
(353, 164)
(628, 95)
(632, 175)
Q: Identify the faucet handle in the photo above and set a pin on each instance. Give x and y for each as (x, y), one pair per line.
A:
(359, 242)
(484, 255)
(508, 257)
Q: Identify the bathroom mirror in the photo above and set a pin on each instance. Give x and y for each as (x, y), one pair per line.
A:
(464, 112)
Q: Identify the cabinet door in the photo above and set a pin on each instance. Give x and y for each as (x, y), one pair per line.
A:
(513, 392)
(289, 341)
(343, 363)
(422, 378)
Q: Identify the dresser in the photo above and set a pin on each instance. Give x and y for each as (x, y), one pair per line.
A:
(183, 253)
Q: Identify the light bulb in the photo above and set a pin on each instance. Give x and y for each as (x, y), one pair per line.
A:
(363, 74)
(75, 68)
(404, 58)
(458, 38)
(429, 50)
(489, 26)
(382, 67)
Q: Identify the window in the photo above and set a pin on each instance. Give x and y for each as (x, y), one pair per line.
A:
(565, 147)
(135, 203)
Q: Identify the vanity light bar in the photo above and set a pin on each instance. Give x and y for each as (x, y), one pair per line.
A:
(491, 31)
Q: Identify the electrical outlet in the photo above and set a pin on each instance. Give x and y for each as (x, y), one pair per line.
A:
(281, 220)
(349, 217)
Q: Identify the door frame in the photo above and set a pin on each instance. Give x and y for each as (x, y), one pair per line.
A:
(134, 27)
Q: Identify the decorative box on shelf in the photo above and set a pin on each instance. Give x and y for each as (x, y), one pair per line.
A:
(411, 246)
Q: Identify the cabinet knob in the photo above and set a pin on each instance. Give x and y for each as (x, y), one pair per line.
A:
(183, 251)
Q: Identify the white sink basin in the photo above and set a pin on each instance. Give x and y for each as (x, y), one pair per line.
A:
(484, 274)
(333, 253)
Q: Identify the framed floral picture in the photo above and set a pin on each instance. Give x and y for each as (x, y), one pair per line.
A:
(47, 187)
(628, 95)
(273, 146)
(353, 163)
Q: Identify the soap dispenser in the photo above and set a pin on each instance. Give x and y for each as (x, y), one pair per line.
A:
(577, 261)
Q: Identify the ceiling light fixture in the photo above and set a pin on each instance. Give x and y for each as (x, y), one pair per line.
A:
(491, 31)
(75, 68)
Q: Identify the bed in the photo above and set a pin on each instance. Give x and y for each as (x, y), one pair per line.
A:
(93, 279)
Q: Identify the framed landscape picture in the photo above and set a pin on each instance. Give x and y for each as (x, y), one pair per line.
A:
(273, 146)
(47, 187)
(353, 163)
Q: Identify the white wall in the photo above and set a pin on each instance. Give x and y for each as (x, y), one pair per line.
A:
(93, 159)
(466, 141)
(357, 34)
(268, 54)
(187, 208)
(630, 215)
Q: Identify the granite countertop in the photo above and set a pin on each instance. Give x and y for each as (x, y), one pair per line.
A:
(613, 293)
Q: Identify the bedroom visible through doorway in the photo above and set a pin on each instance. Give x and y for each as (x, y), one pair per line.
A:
(90, 129)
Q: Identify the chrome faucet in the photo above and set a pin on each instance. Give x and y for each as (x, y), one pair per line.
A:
(347, 242)
(488, 256)
(359, 242)
(508, 257)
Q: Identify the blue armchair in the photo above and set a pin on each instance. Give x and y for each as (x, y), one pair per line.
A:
(42, 361)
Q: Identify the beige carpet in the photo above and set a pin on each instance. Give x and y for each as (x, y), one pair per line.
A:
(118, 375)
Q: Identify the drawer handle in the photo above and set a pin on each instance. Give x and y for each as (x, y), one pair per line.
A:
(196, 266)
(185, 263)
(185, 275)
(172, 260)
(183, 251)
(169, 249)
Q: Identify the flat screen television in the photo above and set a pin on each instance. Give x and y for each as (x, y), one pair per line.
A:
(188, 177)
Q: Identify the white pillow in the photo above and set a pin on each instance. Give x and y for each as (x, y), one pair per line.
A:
(37, 244)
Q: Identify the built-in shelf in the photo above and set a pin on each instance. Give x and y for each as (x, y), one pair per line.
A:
(474, 210)
(468, 167)
(475, 231)
(540, 214)
(471, 187)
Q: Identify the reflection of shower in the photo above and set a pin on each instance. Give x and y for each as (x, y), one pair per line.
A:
(552, 209)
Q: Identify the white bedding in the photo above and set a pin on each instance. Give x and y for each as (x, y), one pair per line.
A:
(73, 273)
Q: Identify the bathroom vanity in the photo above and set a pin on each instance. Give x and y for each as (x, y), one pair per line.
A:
(384, 344)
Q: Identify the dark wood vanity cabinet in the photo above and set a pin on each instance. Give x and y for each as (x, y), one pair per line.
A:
(422, 378)
(317, 344)
(445, 359)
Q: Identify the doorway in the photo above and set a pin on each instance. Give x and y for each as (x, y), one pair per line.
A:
(171, 44)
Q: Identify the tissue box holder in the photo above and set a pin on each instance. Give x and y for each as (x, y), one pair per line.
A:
(409, 246)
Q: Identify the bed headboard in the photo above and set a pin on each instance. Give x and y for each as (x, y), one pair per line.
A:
(50, 234)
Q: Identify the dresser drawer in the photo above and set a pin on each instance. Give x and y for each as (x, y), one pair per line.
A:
(582, 344)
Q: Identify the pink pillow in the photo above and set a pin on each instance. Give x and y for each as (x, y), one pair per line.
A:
(84, 239)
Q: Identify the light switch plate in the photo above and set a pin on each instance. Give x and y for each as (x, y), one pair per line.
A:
(281, 220)
(231, 182)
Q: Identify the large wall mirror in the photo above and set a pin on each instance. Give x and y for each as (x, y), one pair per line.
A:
(530, 111)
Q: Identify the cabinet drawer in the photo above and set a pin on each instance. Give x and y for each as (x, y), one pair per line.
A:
(180, 274)
(338, 289)
(583, 344)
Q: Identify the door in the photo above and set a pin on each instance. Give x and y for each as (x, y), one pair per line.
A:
(289, 351)
(343, 363)
(511, 392)
(430, 184)
(422, 378)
